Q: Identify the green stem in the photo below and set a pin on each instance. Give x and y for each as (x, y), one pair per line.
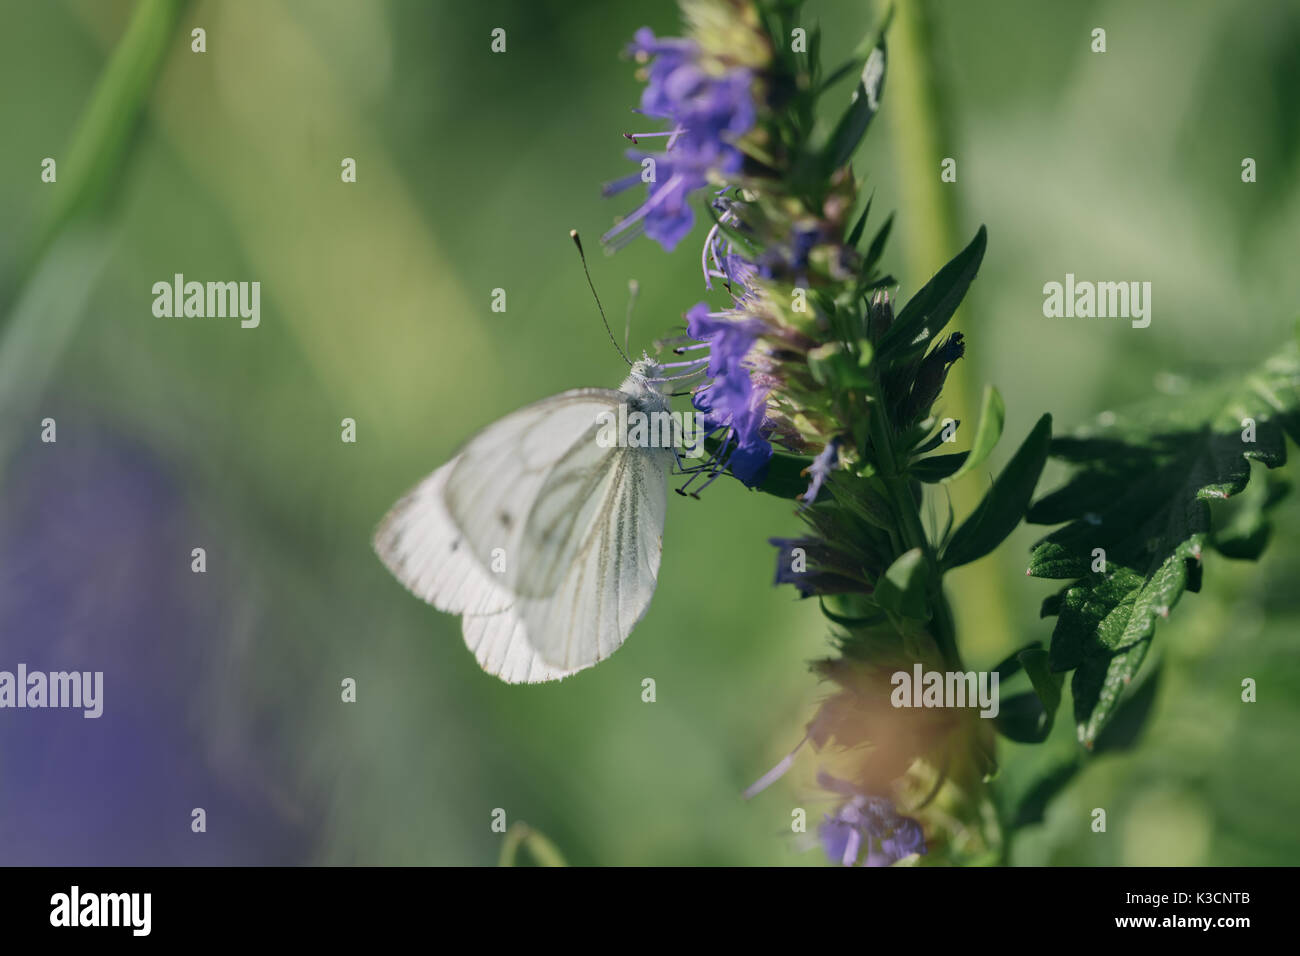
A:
(912, 530)
(922, 139)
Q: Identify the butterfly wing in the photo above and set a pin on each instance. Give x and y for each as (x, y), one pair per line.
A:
(421, 545)
(534, 504)
(501, 647)
(501, 471)
(594, 540)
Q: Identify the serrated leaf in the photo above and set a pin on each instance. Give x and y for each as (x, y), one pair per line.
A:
(1101, 682)
(1137, 517)
(1247, 531)
(1004, 505)
(1086, 614)
(1124, 729)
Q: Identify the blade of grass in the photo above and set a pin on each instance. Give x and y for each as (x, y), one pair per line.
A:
(101, 142)
(522, 836)
(73, 245)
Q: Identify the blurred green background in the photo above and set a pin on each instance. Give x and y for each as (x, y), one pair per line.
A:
(222, 690)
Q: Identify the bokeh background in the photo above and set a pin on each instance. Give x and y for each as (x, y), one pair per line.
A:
(222, 690)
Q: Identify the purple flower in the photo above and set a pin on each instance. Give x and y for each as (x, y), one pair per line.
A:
(666, 215)
(740, 273)
(866, 821)
(790, 259)
(750, 460)
(666, 56)
(821, 469)
(841, 840)
(731, 400)
(719, 260)
(906, 839)
(813, 569)
(708, 113)
(877, 858)
(730, 337)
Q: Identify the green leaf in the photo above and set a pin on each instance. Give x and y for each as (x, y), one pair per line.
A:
(1032, 805)
(785, 476)
(852, 126)
(870, 620)
(813, 56)
(937, 468)
(839, 73)
(1095, 610)
(1004, 505)
(1028, 718)
(927, 312)
(856, 233)
(1124, 729)
(1046, 684)
(838, 368)
(861, 499)
(936, 439)
(1137, 517)
(1011, 665)
(992, 415)
(902, 588)
(1040, 778)
(875, 250)
(1247, 530)
(1021, 718)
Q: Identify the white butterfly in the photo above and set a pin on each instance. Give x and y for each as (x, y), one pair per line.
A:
(544, 539)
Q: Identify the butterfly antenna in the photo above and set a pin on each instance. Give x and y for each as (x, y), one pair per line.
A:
(633, 290)
(573, 234)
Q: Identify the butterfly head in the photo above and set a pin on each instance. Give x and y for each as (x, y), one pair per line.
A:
(647, 382)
